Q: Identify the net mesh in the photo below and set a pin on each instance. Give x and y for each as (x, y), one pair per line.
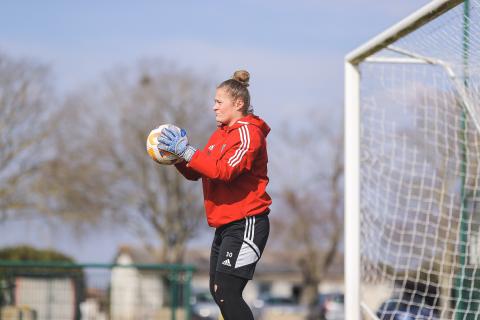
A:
(420, 171)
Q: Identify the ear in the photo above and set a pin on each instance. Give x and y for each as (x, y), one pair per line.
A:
(238, 104)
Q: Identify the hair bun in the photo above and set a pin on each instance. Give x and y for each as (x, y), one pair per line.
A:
(242, 76)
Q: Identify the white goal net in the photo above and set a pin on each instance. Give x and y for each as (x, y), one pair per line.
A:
(419, 170)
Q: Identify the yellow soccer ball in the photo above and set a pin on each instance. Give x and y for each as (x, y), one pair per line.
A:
(160, 156)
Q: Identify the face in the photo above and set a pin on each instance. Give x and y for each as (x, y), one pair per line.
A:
(227, 110)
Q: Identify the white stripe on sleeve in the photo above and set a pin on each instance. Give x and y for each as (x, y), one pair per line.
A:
(239, 151)
(242, 143)
(246, 138)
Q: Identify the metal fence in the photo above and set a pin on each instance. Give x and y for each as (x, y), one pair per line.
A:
(61, 291)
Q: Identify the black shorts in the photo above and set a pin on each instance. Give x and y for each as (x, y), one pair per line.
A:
(237, 246)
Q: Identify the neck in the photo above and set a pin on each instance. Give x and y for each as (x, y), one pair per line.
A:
(232, 122)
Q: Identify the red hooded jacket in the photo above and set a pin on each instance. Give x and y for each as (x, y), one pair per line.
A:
(233, 168)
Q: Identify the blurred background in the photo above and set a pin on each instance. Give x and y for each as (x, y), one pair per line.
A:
(81, 86)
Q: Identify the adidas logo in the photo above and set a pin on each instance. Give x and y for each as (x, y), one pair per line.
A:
(227, 263)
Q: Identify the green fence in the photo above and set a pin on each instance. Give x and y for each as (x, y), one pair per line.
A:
(58, 291)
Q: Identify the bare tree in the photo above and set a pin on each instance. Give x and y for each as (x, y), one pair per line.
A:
(75, 183)
(27, 104)
(107, 171)
(311, 224)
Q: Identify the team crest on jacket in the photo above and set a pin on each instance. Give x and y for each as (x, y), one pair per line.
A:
(210, 148)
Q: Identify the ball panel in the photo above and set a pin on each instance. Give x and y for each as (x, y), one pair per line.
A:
(151, 153)
(160, 156)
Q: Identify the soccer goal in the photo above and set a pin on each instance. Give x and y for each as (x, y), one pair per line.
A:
(412, 128)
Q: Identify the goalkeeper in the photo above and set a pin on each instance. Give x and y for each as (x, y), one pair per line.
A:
(233, 168)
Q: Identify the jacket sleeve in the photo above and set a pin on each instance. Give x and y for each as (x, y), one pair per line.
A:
(187, 172)
(238, 158)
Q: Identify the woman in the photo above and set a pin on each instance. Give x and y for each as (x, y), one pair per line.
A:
(233, 168)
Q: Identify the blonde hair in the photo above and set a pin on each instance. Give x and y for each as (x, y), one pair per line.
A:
(237, 88)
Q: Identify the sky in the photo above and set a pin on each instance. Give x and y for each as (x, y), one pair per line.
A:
(294, 51)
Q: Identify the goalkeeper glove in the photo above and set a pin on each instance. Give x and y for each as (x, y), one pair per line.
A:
(176, 142)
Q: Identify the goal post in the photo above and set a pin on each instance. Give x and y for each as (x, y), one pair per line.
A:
(352, 194)
(412, 167)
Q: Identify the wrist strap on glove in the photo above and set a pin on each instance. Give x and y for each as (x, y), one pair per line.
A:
(188, 153)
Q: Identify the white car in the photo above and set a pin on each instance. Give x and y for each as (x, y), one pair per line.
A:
(331, 306)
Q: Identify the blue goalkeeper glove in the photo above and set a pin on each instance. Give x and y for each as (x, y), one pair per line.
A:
(176, 142)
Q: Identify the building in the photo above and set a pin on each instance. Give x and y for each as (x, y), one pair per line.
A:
(275, 275)
(134, 293)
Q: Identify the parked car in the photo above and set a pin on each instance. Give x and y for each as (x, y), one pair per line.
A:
(270, 307)
(398, 309)
(331, 306)
(204, 307)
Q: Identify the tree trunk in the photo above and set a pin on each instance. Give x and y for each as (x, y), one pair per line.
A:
(309, 298)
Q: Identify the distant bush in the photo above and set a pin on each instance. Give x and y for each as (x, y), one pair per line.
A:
(28, 253)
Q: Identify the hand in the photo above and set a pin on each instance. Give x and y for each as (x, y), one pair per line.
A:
(176, 141)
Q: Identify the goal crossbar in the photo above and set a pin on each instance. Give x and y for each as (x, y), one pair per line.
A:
(401, 29)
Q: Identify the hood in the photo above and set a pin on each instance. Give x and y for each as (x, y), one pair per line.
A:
(254, 120)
